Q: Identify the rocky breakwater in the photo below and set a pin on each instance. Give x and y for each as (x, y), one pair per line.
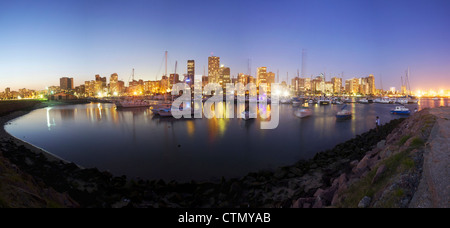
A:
(19, 188)
(388, 175)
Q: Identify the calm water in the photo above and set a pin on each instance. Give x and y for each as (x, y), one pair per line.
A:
(137, 144)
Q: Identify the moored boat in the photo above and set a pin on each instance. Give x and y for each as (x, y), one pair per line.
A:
(131, 103)
(344, 114)
(324, 102)
(363, 101)
(302, 112)
(400, 110)
(156, 108)
(166, 112)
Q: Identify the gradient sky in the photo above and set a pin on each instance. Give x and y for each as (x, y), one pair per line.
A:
(41, 41)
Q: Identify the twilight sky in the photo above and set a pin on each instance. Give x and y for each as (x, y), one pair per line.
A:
(41, 41)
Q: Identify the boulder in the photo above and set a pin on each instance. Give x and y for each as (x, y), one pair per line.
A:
(296, 171)
(363, 163)
(354, 163)
(365, 202)
(328, 194)
(381, 145)
(301, 202)
(280, 173)
(379, 173)
(342, 179)
(362, 166)
(318, 203)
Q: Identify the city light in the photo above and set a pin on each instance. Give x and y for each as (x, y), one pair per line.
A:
(115, 94)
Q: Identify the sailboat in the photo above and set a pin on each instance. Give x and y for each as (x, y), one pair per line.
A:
(344, 114)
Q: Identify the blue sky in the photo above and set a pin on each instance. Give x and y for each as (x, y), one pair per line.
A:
(41, 41)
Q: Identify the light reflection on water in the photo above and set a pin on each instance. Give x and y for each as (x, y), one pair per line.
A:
(138, 144)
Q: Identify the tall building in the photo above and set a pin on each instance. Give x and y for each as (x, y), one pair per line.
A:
(66, 83)
(99, 84)
(113, 84)
(307, 84)
(213, 69)
(174, 79)
(270, 78)
(329, 87)
(296, 84)
(352, 85)
(190, 72)
(371, 82)
(337, 85)
(261, 75)
(242, 78)
(224, 76)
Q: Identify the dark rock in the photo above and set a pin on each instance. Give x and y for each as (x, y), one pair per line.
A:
(354, 163)
(381, 145)
(318, 192)
(302, 201)
(318, 203)
(365, 202)
(296, 171)
(379, 173)
(235, 189)
(280, 173)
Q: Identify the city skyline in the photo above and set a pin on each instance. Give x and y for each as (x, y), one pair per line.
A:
(79, 39)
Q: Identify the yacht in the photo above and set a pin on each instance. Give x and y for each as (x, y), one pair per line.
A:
(400, 110)
(131, 103)
(324, 102)
(302, 112)
(363, 101)
(156, 108)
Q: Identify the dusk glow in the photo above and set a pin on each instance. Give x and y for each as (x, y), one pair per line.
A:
(42, 41)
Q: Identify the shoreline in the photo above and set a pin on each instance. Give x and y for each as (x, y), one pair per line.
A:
(5, 136)
(290, 186)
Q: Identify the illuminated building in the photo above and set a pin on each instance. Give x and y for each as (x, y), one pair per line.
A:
(66, 83)
(371, 82)
(296, 84)
(393, 90)
(337, 85)
(190, 72)
(113, 84)
(224, 76)
(213, 69)
(80, 90)
(352, 86)
(329, 87)
(174, 79)
(261, 75)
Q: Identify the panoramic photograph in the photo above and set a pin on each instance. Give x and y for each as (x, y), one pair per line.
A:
(224, 104)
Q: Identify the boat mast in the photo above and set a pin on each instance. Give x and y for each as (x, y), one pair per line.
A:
(407, 81)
